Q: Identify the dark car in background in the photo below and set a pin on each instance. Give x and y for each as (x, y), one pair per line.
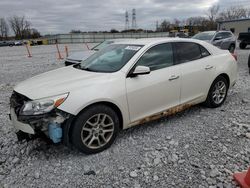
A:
(223, 39)
(244, 40)
(7, 43)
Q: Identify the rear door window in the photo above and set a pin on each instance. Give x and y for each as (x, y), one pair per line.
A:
(187, 51)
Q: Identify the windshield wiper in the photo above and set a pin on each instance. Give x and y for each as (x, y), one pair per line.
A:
(85, 68)
(78, 66)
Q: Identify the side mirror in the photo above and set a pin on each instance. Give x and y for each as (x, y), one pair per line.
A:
(217, 38)
(140, 70)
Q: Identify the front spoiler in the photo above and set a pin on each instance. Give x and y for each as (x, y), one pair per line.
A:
(19, 125)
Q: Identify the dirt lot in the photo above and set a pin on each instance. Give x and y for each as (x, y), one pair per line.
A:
(199, 147)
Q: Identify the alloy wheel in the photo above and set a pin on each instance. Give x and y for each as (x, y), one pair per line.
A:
(219, 92)
(97, 131)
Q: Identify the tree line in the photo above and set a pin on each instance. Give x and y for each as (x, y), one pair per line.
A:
(209, 22)
(20, 26)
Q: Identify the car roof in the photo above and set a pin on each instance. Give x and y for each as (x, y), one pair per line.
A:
(216, 31)
(119, 39)
(147, 41)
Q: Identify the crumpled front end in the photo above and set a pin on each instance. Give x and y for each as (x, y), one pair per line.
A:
(49, 123)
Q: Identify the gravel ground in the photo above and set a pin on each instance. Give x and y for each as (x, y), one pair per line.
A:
(199, 147)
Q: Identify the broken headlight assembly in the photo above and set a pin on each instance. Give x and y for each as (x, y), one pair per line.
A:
(42, 106)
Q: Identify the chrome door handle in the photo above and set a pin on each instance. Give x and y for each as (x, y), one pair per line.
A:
(209, 67)
(173, 77)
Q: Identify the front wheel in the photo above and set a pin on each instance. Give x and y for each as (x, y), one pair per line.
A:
(95, 129)
(217, 93)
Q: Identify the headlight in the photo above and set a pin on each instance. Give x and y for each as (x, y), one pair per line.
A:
(42, 106)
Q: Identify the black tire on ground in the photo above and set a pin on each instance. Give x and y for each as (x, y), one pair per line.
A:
(243, 45)
(77, 136)
(210, 101)
(231, 48)
(249, 63)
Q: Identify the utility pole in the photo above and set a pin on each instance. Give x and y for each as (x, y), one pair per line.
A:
(133, 19)
(126, 21)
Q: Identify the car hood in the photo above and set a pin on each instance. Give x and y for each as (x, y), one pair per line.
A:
(59, 81)
(79, 56)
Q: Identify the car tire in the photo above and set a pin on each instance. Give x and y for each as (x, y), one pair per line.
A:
(249, 63)
(231, 48)
(243, 45)
(95, 129)
(217, 93)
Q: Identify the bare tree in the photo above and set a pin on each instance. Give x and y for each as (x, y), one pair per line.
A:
(20, 26)
(234, 12)
(164, 26)
(212, 12)
(248, 13)
(4, 29)
(195, 21)
(176, 22)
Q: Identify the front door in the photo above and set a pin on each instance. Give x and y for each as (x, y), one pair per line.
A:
(158, 90)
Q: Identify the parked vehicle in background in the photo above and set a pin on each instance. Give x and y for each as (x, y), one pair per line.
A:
(77, 57)
(18, 43)
(223, 39)
(7, 43)
(244, 40)
(120, 86)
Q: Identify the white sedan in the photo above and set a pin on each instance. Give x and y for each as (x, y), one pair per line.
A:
(125, 84)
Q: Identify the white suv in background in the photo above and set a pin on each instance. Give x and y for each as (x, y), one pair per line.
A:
(123, 85)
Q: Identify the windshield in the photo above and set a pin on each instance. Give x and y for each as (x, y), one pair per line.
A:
(102, 45)
(204, 36)
(110, 59)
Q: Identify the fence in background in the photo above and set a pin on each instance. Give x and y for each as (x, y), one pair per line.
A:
(99, 37)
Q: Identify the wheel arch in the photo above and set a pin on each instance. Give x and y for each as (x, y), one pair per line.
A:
(225, 76)
(109, 104)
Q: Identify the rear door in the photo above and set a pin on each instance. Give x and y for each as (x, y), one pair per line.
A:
(197, 71)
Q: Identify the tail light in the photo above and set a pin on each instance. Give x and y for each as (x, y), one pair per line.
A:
(234, 55)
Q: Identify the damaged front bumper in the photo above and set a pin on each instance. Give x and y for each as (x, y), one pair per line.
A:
(24, 127)
(51, 124)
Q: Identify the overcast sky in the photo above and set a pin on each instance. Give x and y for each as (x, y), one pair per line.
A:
(60, 16)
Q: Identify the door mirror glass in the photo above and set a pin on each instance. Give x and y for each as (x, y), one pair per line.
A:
(141, 70)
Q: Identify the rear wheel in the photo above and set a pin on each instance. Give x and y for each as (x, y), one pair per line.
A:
(242, 45)
(95, 129)
(217, 93)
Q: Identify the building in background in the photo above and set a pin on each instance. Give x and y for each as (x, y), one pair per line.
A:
(236, 26)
